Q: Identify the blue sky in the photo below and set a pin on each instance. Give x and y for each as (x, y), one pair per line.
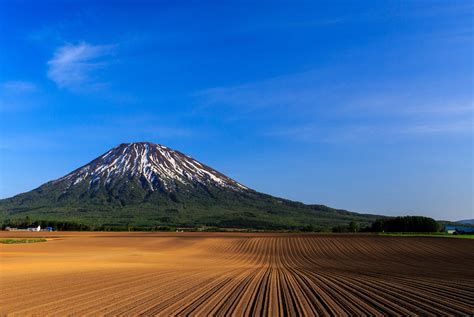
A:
(366, 106)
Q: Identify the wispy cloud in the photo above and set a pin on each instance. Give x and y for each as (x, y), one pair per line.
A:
(460, 126)
(357, 133)
(311, 106)
(293, 90)
(74, 67)
(18, 86)
(117, 130)
(17, 95)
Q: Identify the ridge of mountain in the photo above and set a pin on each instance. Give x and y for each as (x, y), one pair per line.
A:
(466, 221)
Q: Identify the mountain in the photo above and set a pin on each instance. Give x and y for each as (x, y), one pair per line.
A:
(146, 184)
(466, 221)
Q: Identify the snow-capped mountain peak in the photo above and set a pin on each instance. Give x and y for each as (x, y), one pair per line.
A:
(155, 166)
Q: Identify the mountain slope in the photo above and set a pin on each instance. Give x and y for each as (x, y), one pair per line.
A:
(147, 184)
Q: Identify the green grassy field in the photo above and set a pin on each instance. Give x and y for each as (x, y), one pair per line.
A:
(15, 241)
(437, 234)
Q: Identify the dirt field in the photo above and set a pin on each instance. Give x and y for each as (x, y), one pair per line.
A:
(240, 274)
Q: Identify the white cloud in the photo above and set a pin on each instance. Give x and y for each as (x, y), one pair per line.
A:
(73, 66)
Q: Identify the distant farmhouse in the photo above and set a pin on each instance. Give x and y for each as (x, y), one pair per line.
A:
(458, 230)
(34, 229)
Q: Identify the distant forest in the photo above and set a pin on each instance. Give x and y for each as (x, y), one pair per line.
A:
(397, 224)
(406, 224)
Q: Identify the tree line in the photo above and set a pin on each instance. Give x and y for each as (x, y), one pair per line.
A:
(57, 225)
(397, 224)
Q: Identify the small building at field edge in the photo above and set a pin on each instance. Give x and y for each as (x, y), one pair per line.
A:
(458, 230)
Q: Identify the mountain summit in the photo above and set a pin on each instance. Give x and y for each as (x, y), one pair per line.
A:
(154, 166)
(146, 184)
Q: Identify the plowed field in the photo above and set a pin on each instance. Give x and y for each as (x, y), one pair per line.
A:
(236, 274)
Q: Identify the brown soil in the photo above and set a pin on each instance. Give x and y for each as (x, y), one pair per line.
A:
(236, 274)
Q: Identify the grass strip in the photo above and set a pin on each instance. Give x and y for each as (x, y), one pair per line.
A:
(15, 241)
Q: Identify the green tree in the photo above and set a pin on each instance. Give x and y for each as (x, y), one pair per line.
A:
(354, 227)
